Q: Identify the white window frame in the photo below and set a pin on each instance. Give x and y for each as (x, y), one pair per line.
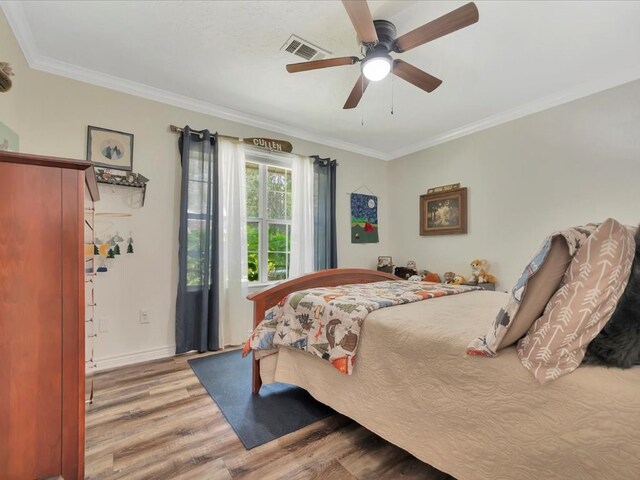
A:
(266, 160)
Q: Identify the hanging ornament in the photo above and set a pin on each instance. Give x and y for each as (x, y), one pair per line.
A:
(102, 267)
(130, 244)
(103, 249)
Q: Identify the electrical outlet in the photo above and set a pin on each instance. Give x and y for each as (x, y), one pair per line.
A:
(144, 316)
(103, 325)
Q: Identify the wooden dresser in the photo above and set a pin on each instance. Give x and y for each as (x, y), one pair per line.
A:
(42, 315)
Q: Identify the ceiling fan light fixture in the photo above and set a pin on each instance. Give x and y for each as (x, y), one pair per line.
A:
(377, 67)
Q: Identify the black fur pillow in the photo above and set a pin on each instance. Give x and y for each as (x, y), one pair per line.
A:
(618, 344)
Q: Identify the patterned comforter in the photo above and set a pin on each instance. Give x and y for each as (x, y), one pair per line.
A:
(326, 321)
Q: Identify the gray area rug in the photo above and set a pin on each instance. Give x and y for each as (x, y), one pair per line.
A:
(277, 410)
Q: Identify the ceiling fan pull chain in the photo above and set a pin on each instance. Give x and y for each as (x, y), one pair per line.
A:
(362, 107)
(392, 75)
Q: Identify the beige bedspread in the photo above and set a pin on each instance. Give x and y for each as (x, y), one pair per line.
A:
(473, 417)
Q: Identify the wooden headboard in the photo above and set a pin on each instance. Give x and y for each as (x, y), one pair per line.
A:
(269, 297)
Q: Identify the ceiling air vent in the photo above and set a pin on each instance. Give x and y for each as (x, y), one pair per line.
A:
(304, 49)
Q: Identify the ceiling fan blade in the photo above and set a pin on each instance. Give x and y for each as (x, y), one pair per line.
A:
(356, 93)
(415, 76)
(315, 64)
(360, 16)
(452, 21)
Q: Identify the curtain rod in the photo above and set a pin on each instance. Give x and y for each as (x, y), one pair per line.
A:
(269, 145)
(175, 129)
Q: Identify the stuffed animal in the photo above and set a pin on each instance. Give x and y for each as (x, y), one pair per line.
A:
(453, 278)
(404, 272)
(458, 279)
(412, 265)
(479, 272)
(428, 276)
(416, 278)
(448, 277)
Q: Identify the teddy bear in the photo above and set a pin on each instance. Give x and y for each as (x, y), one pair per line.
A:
(479, 272)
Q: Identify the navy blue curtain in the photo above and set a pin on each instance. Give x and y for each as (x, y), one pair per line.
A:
(326, 243)
(197, 305)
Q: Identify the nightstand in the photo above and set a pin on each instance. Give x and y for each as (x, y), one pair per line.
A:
(483, 286)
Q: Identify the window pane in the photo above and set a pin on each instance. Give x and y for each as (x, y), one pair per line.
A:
(276, 205)
(278, 266)
(198, 168)
(253, 189)
(288, 201)
(253, 251)
(277, 179)
(195, 251)
(271, 252)
(197, 197)
(279, 238)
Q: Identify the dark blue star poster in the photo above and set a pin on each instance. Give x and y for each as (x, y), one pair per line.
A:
(364, 218)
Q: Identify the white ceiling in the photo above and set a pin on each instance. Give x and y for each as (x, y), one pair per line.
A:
(224, 58)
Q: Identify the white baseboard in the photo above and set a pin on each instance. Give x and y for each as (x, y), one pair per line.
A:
(131, 358)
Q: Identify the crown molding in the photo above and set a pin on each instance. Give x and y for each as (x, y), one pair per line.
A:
(17, 20)
(579, 91)
(20, 26)
(14, 13)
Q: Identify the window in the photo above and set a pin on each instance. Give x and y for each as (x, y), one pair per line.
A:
(198, 211)
(268, 220)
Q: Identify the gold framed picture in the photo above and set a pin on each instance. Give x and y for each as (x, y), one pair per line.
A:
(444, 213)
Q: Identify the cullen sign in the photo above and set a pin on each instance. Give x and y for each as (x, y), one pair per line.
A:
(270, 144)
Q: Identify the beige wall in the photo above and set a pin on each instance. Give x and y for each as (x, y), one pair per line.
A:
(51, 115)
(573, 164)
(576, 163)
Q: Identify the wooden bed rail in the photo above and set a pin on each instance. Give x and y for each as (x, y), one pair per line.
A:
(269, 297)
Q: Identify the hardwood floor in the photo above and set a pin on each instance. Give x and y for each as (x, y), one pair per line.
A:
(156, 421)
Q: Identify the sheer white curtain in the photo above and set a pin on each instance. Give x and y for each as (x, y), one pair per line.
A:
(236, 316)
(302, 218)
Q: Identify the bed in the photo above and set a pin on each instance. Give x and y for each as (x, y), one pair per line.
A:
(473, 418)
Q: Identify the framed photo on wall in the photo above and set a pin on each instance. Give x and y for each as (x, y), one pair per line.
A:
(444, 213)
(110, 148)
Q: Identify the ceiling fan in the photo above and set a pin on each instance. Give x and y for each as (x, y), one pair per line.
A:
(378, 38)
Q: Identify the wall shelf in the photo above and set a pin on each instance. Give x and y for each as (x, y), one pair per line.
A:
(114, 184)
(128, 180)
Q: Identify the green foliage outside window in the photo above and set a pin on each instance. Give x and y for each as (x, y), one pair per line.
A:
(269, 213)
(195, 258)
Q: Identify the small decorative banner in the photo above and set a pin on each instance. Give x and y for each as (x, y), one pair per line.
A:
(443, 188)
(364, 218)
(270, 144)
